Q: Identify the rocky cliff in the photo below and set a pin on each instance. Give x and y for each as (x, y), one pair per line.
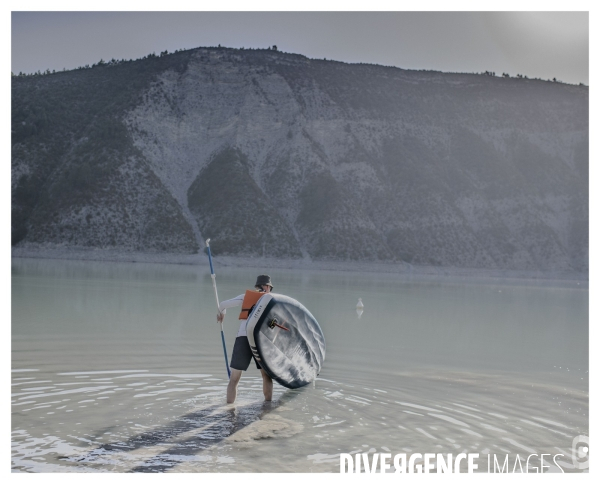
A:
(277, 155)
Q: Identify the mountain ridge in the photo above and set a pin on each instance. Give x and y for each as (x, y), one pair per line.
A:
(344, 162)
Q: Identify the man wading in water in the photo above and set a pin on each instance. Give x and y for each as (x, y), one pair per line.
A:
(242, 354)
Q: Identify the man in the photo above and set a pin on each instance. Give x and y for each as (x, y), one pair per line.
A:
(242, 354)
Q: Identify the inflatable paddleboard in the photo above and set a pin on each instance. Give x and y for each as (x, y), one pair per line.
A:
(286, 340)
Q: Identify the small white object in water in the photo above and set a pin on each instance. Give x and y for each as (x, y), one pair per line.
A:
(359, 308)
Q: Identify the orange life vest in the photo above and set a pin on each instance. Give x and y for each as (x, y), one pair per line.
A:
(250, 299)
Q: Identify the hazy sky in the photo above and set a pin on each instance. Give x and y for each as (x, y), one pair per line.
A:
(535, 44)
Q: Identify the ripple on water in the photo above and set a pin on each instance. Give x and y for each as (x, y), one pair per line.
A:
(111, 432)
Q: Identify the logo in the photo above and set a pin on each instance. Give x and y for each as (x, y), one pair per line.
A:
(581, 452)
(258, 311)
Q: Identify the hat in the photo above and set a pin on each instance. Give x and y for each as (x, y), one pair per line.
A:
(263, 280)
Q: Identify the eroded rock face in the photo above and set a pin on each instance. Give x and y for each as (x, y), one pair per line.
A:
(274, 154)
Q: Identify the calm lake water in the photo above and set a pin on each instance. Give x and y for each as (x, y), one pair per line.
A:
(118, 367)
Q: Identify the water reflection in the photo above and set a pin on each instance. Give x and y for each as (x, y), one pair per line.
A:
(188, 435)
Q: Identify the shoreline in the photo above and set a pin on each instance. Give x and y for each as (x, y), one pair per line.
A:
(200, 259)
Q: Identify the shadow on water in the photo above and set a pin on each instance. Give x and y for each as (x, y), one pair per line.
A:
(190, 434)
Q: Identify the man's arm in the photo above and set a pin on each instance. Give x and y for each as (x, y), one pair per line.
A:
(230, 303)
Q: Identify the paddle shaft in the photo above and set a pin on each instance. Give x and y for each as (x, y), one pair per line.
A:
(214, 283)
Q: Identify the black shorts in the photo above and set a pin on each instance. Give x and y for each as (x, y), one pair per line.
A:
(242, 354)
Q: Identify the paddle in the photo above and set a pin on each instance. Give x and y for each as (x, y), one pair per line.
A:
(214, 283)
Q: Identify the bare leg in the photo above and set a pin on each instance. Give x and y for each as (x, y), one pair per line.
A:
(233, 383)
(267, 386)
